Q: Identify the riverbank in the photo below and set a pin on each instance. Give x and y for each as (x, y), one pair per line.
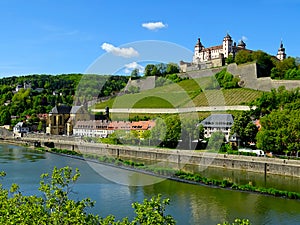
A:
(191, 204)
(169, 173)
(178, 158)
(175, 175)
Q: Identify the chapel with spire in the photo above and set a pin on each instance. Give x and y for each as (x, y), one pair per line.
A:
(281, 52)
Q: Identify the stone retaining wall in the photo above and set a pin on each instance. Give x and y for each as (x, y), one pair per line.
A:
(182, 157)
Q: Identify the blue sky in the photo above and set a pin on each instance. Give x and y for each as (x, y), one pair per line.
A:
(55, 37)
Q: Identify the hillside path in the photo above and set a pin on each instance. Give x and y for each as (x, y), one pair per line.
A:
(176, 110)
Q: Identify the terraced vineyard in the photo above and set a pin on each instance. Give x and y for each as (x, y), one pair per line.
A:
(183, 94)
(239, 96)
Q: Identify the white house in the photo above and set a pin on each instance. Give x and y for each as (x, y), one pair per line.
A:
(218, 122)
(20, 128)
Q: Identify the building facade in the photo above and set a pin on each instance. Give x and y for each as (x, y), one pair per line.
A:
(62, 118)
(92, 128)
(103, 128)
(218, 123)
(76, 113)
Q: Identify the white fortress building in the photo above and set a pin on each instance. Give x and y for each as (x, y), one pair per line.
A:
(202, 54)
(215, 56)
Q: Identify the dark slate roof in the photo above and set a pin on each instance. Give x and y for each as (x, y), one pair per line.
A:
(218, 120)
(75, 109)
(227, 36)
(20, 124)
(61, 109)
(242, 43)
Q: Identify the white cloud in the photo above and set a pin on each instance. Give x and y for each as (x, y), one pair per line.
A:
(123, 52)
(134, 65)
(244, 38)
(154, 25)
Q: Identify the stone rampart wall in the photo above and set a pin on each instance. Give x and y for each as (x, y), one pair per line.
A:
(248, 75)
(143, 83)
(202, 73)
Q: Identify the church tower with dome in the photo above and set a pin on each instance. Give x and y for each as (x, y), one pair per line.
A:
(281, 52)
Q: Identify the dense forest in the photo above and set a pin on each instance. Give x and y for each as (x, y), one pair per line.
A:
(279, 121)
(30, 95)
(37, 94)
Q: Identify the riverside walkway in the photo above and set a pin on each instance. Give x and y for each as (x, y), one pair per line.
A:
(176, 110)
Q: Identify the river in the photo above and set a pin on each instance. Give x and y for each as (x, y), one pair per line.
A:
(190, 204)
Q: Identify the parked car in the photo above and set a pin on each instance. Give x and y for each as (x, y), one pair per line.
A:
(258, 152)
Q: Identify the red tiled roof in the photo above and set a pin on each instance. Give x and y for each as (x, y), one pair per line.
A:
(116, 125)
(92, 124)
(214, 48)
(140, 125)
(126, 125)
(119, 125)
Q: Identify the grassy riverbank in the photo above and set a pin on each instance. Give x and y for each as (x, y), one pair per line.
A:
(177, 175)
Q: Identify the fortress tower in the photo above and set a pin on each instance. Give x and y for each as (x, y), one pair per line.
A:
(227, 45)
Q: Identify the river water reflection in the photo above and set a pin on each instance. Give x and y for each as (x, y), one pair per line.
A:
(190, 204)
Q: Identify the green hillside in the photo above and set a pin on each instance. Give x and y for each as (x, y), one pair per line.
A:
(186, 93)
(31, 95)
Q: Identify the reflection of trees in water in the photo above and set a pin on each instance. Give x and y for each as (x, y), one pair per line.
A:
(212, 204)
(15, 153)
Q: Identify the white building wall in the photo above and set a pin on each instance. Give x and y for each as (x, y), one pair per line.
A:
(215, 54)
(208, 131)
(227, 47)
(91, 132)
(203, 56)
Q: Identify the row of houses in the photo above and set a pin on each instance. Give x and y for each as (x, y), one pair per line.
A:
(103, 128)
(67, 120)
(76, 121)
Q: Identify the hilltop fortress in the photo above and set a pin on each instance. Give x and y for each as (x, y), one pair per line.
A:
(209, 61)
(214, 56)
